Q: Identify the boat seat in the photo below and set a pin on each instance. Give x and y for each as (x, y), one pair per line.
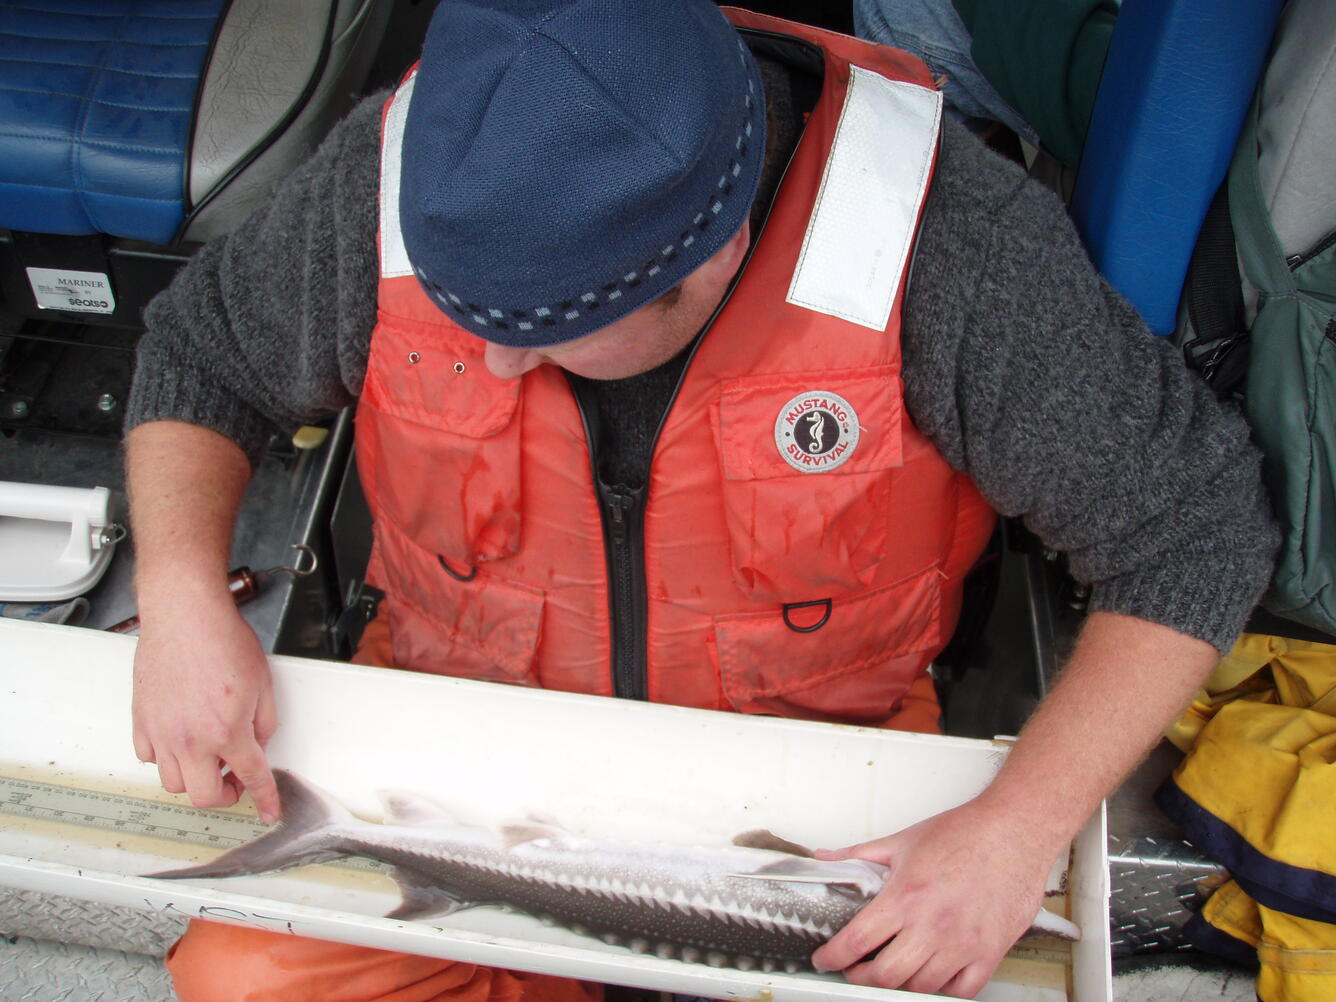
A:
(160, 122)
(1176, 85)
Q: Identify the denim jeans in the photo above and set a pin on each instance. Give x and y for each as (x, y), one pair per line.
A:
(933, 31)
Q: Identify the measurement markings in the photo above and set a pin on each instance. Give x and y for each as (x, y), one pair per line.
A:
(136, 816)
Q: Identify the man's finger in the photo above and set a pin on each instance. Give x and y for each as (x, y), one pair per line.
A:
(252, 770)
(143, 747)
(170, 774)
(204, 781)
(833, 854)
(868, 931)
(897, 962)
(969, 982)
(232, 783)
(266, 717)
(878, 850)
(939, 970)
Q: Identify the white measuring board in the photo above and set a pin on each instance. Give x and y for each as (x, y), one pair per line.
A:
(95, 818)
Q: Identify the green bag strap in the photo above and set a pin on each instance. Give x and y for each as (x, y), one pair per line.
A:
(1263, 258)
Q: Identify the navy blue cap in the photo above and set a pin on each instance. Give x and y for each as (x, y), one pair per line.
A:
(565, 162)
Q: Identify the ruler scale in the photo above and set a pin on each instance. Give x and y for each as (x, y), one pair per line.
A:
(136, 815)
(116, 812)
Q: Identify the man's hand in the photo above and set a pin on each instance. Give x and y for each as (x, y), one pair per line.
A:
(204, 703)
(963, 888)
(965, 885)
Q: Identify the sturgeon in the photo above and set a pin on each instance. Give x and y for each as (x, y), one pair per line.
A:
(742, 905)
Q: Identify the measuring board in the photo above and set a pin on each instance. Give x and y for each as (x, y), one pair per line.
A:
(223, 830)
(136, 815)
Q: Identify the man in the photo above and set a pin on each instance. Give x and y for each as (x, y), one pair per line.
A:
(606, 288)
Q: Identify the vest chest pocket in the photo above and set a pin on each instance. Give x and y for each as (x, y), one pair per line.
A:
(439, 446)
(807, 463)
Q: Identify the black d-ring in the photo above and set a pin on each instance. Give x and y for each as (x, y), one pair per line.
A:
(788, 607)
(464, 578)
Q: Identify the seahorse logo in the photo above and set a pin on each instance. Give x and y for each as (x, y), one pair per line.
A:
(816, 431)
(816, 423)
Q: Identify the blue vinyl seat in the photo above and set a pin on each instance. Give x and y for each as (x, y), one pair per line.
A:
(1176, 85)
(97, 100)
(127, 125)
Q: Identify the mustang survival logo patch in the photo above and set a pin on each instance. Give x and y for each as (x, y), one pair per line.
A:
(816, 431)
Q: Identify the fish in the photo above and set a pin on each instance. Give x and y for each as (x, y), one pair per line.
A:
(759, 903)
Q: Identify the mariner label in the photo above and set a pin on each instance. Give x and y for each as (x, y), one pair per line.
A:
(72, 291)
(816, 431)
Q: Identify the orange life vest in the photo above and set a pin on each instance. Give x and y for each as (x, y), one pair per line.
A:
(803, 544)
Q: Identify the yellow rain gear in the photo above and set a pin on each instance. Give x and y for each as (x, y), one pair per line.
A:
(1257, 793)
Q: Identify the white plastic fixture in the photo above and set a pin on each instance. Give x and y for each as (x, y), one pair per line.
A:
(55, 542)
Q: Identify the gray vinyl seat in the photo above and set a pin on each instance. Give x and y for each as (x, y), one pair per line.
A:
(280, 75)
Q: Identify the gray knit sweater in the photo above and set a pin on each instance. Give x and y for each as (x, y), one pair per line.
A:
(1028, 372)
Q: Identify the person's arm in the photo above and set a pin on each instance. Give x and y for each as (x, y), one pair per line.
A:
(1035, 378)
(967, 883)
(263, 330)
(202, 694)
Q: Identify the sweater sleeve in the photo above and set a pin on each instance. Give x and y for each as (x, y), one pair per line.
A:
(1033, 376)
(268, 328)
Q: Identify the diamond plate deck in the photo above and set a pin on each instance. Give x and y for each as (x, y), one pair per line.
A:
(1158, 884)
(34, 915)
(40, 971)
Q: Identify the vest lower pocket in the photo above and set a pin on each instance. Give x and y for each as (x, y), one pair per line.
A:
(483, 628)
(855, 668)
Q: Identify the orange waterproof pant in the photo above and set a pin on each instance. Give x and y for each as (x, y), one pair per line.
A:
(213, 962)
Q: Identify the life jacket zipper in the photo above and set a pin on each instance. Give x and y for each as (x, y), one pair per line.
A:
(623, 511)
(623, 508)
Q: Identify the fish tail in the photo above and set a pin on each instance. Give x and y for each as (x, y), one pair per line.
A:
(309, 831)
(1046, 923)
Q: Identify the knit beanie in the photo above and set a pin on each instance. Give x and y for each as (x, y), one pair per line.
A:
(565, 162)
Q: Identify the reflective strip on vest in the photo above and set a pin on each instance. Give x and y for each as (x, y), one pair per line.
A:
(394, 261)
(863, 224)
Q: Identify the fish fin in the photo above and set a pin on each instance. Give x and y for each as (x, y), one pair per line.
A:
(764, 838)
(852, 878)
(304, 834)
(1048, 923)
(795, 868)
(413, 810)
(421, 897)
(543, 818)
(515, 833)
